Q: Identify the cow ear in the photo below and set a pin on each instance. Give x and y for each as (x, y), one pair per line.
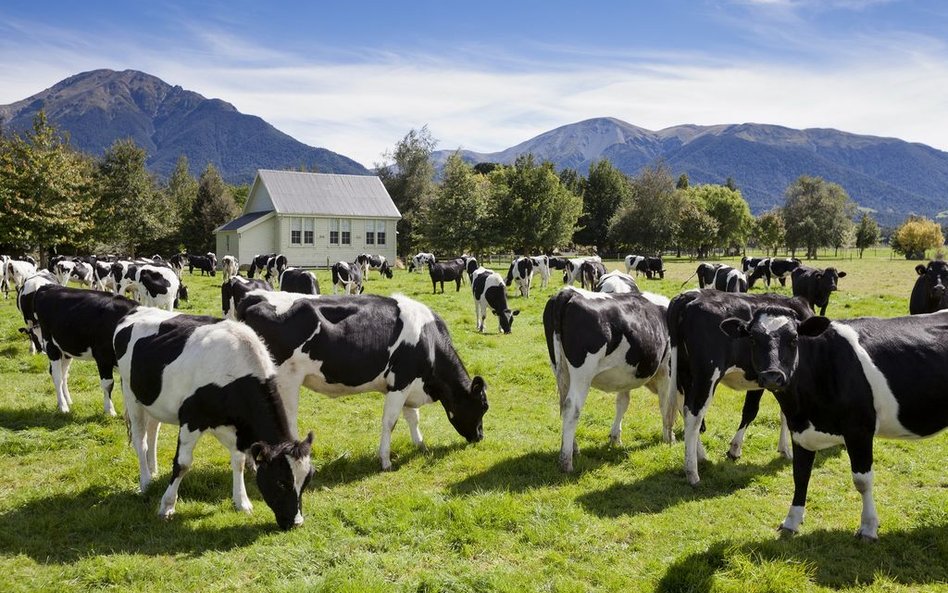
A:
(813, 326)
(920, 269)
(479, 390)
(734, 327)
(260, 452)
(515, 312)
(306, 445)
(494, 313)
(841, 275)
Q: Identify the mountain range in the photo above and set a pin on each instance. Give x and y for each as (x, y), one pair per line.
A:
(887, 176)
(98, 107)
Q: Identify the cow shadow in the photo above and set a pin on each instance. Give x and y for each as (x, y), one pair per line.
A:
(912, 557)
(346, 468)
(47, 417)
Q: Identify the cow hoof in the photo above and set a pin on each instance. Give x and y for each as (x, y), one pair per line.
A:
(732, 456)
(615, 440)
(386, 466)
(785, 532)
(245, 507)
(787, 454)
(166, 514)
(566, 464)
(866, 537)
(692, 478)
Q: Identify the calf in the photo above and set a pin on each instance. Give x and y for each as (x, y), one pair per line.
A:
(205, 263)
(521, 273)
(613, 342)
(348, 277)
(374, 262)
(728, 279)
(73, 323)
(154, 286)
(259, 264)
(773, 267)
(299, 281)
(930, 292)
(208, 375)
(235, 289)
(178, 262)
(421, 260)
(403, 350)
(589, 274)
(24, 302)
(815, 286)
(541, 263)
(490, 295)
(229, 267)
(844, 382)
(445, 271)
(701, 358)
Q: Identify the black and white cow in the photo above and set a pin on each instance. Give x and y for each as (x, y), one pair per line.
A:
(490, 294)
(83, 273)
(102, 276)
(520, 273)
(210, 375)
(773, 267)
(117, 273)
(930, 292)
(721, 277)
(541, 265)
(347, 277)
(17, 271)
(24, 302)
(702, 357)
(229, 267)
(448, 271)
(617, 282)
(299, 281)
(73, 323)
(589, 274)
(275, 266)
(815, 286)
(4, 285)
(374, 262)
(205, 263)
(558, 262)
(613, 342)
(154, 286)
(259, 264)
(749, 264)
(62, 269)
(420, 260)
(845, 382)
(235, 289)
(650, 266)
(571, 267)
(471, 266)
(403, 350)
(178, 262)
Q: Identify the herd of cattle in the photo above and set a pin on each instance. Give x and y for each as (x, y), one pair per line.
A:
(239, 377)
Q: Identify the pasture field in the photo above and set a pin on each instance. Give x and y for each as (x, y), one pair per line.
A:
(495, 516)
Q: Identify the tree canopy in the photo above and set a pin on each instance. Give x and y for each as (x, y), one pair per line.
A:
(917, 235)
(817, 213)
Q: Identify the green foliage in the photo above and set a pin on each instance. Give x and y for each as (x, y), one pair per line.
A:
(682, 181)
(213, 207)
(697, 229)
(647, 222)
(603, 191)
(456, 218)
(729, 210)
(817, 214)
(917, 235)
(867, 233)
(769, 231)
(409, 179)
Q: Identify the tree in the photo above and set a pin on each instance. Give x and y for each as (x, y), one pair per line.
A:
(915, 236)
(729, 210)
(455, 219)
(867, 233)
(816, 214)
(682, 181)
(769, 231)
(409, 179)
(603, 190)
(730, 184)
(572, 180)
(696, 229)
(213, 207)
(648, 221)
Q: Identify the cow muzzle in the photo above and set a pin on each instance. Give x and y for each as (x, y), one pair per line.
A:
(773, 380)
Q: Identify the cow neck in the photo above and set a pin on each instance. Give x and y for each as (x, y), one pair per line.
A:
(450, 373)
(266, 417)
(813, 370)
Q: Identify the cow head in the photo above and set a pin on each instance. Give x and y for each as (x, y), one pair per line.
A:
(773, 334)
(935, 279)
(466, 411)
(827, 280)
(182, 292)
(283, 472)
(506, 319)
(386, 270)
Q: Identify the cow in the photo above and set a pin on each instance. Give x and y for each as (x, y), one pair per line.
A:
(589, 274)
(617, 282)
(178, 262)
(83, 273)
(299, 281)
(275, 266)
(17, 271)
(24, 302)
(259, 263)
(572, 265)
(721, 277)
(930, 292)
(490, 294)
(4, 285)
(471, 266)
(749, 264)
(558, 262)
(374, 262)
(347, 276)
(154, 286)
(701, 358)
(845, 382)
(117, 273)
(451, 270)
(401, 348)
(102, 276)
(205, 263)
(521, 273)
(773, 267)
(210, 375)
(815, 286)
(614, 342)
(62, 269)
(541, 263)
(650, 266)
(73, 323)
(235, 289)
(421, 260)
(229, 267)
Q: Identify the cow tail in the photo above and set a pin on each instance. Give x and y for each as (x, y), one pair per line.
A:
(335, 276)
(685, 282)
(674, 318)
(553, 326)
(128, 426)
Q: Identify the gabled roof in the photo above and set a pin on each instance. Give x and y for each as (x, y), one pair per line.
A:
(294, 192)
(242, 221)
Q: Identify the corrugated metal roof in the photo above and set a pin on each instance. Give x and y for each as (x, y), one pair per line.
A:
(241, 221)
(295, 192)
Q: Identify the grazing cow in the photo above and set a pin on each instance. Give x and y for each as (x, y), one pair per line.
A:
(154, 286)
(24, 302)
(558, 263)
(205, 263)
(374, 262)
(73, 323)
(117, 272)
(701, 358)
(299, 281)
(445, 271)
(520, 272)
(82, 273)
(178, 262)
(235, 289)
(650, 266)
(845, 382)
(210, 375)
(815, 286)
(275, 266)
(541, 263)
(347, 277)
(421, 260)
(402, 349)
(930, 292)
(613, 342)
(571, 267)
(490, 294)
(62, 269)
(259, 263)
(589, 274)
(617, 282)
(102, 276)
(18, 271)
(229, 267)
(773, 267)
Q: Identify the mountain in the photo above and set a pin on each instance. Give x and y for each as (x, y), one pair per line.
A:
(886, 175)
(98, 107)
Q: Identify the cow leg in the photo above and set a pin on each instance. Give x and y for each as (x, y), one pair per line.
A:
(136, 419)
(56, 371)
(748, 413)
(106, 382)
(694, 411)
(411, 418)
(783, 445)
(569, 412)
(67, 363)
(151, 442)
(802, 467)
(860, 460)
(622, 404)
(183, 457)
(238, 460)
(783, 281)
(457, 281)
(288, 386)
(394, 402)
(823, 310)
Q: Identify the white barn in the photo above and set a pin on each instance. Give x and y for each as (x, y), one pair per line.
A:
(312, 218)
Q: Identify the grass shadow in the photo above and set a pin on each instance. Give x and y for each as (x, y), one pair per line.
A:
(45, 416)
(835, 559)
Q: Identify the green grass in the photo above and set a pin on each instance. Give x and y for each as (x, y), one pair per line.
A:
(498, 515)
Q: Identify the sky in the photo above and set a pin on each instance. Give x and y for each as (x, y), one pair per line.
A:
(356, 76)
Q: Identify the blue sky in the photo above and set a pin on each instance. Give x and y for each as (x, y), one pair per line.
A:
(356, 76)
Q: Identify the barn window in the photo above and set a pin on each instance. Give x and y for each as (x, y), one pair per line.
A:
(380, 232)
(296, 231)
(334, 231)
(309, 230)
(346, 230)
(370, 232)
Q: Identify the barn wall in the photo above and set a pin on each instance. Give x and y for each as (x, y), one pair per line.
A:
(259, 199)
(256, 240)
(317, 254)
(227, 244)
